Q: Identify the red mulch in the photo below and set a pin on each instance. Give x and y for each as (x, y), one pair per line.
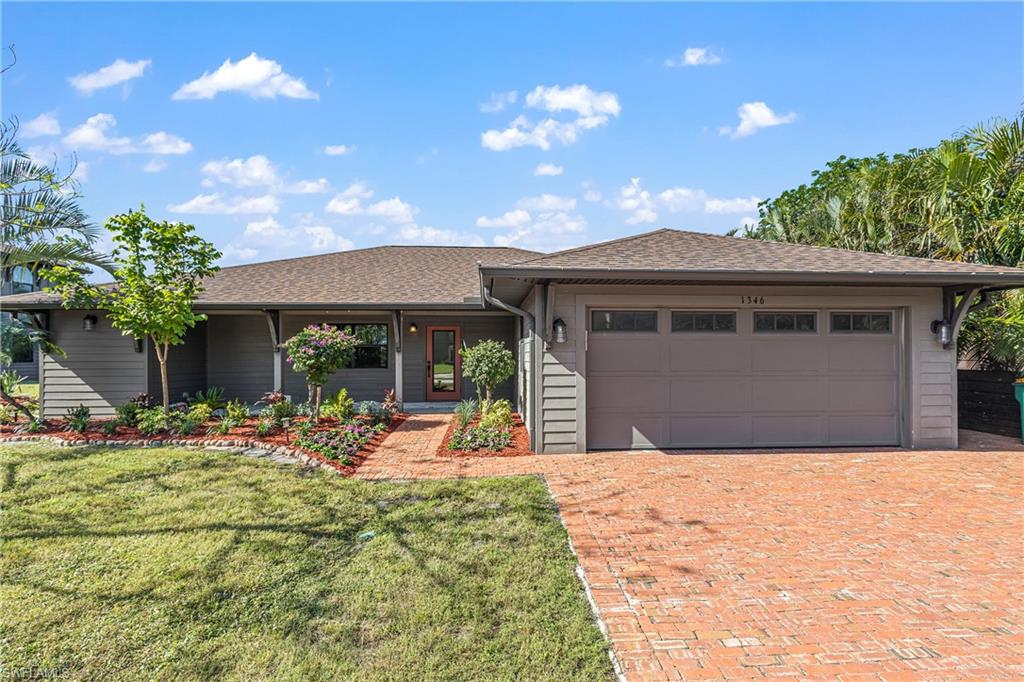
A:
(240, 436)
(519, 447)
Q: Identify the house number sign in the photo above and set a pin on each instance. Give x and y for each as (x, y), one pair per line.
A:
(752, 300)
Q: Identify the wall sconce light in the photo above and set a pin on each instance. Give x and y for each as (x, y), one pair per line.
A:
(944, 330)
(138, 345)
(559, 329)
(89, 323)
(413, 328)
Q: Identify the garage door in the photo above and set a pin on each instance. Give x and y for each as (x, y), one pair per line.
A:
(741, 378)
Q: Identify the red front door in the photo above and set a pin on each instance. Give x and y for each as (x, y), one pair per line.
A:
(444, 365)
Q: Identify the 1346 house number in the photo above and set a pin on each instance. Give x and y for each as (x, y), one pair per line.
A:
(752, 300)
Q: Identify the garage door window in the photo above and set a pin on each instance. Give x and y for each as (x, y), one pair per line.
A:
(624, 321)
(861, 323)
(797, 323)
(701, 321)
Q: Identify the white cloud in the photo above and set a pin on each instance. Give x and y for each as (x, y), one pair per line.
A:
(747, 221)
(548, 169)
(547, 202)
(96, 133)
(498, 101)
(394, 209)
(256, 171)
(683, 199)
(41, 126)
(589, 193)
(578, 98)
(117, 72)
(81, 172)
(217, 204)
(233, 253)
(323, 238)
(154, 166)
(338, 149)
(753, 117)
(264, 230)
(592, 110)
(694, 56)
(431, 235)
(257, 77)
(737, 205)
(637, 201)
(507, 219)
(318, 186)
(551, 231)
(343, 205)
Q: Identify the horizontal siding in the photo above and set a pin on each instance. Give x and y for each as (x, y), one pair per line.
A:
(101, 369)
(239, 356)
(558, 381)
(186, 366)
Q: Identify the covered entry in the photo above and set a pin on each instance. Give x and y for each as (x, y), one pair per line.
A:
(752, 377)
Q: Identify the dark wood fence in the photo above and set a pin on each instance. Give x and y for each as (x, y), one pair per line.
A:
(986, 402)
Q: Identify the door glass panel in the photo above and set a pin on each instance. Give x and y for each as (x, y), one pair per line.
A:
(443, 360)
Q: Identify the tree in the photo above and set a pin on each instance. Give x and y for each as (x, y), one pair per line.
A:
(487, 364)
(160, 271)
(41, 223)
(318, 351)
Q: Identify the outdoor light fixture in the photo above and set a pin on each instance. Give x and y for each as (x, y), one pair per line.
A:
(944, 330)
(88, 323)
(413, 328)
(559, 329)
(138, 345)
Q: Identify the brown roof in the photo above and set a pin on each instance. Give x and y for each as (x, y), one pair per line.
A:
(385, 276)
(676, 251)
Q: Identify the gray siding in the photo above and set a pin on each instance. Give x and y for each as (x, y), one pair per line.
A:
(362, 384)
(474, 328)
(101, 370)
(186, 366)
(239, 356)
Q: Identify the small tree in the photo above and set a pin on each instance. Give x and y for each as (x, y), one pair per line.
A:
(487, 364)
(318, 351)
(159, 273)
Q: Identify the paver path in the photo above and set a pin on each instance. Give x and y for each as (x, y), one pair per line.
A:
(840, 565)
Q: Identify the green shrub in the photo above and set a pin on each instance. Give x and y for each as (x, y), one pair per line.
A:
(284, 410)
(237, 411)
(109, 428)
(153, 421)
(338, 406)
(200, 413)
(34, 426)
(365, 408)
(185, 426)
(213, 396)
(487, 364)
(10, 381)
(77, 419)
(7, 414)
(223, 427)
(497, 416)
(480, 438)
(465, 411)
(304, 428)
(264, 427)
(127, 414)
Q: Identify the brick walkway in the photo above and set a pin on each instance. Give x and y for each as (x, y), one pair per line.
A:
(851, 565)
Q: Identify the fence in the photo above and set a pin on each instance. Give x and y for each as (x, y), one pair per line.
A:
(986, 402)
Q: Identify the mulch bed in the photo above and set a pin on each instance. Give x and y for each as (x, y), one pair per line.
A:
(241, 436)
(519, 447)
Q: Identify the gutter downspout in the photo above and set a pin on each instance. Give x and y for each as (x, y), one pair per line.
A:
(531, 332)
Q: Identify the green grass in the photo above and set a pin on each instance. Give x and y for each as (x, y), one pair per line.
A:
(29, 389)
(184, 564)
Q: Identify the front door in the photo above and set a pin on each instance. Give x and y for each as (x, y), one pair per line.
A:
(444, 366)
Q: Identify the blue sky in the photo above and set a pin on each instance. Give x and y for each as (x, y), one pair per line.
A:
(625, 118)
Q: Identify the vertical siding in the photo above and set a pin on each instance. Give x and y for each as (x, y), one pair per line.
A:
(101, 369)
(186, 366)
(475, 328)
(239, 356)
(362, 384)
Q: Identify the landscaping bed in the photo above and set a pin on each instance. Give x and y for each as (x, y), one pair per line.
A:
(176, 563)
(519, 445)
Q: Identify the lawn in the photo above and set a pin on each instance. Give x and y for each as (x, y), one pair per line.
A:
(30, 390)
(193, 564)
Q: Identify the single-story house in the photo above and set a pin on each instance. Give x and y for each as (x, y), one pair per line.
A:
(668, 339)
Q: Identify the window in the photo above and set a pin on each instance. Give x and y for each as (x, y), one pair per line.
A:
(799, 323)
(16, 338)
(700, 321)
(624, 321)
(372, 349)
(861, 323)
(22, 280)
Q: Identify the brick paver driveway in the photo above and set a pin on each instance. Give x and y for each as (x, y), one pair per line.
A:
(852, 565)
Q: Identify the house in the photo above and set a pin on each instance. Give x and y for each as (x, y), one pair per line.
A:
(667, 339)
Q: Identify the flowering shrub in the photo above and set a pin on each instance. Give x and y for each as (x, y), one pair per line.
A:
(479, 438)
(340, 444)
(318, 351)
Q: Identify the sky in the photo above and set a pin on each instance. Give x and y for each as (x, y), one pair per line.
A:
(286, 130)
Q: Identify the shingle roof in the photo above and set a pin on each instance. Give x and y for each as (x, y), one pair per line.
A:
(678, 251)
(383, 275)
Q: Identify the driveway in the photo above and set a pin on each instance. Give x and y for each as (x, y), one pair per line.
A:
(854, 565)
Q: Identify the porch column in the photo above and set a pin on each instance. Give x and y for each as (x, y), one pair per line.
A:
(396, 317)
(274, 323)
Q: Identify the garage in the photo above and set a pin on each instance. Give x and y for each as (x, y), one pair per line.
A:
(751, 377)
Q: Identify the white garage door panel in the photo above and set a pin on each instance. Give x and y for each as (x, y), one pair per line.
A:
(741, 389)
